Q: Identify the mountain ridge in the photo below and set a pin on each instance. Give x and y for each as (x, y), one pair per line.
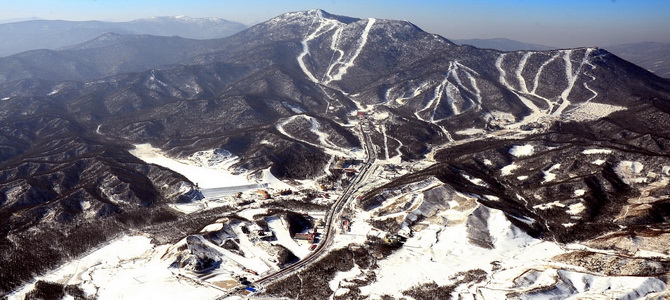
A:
(55, 34)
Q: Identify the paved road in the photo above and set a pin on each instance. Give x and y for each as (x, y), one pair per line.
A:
(332, 218)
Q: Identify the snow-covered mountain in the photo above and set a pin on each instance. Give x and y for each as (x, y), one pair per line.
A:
(552, 165)
(652, 56)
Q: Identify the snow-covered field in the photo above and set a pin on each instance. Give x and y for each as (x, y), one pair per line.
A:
(280, 228)
(130, 267)
(202, 169)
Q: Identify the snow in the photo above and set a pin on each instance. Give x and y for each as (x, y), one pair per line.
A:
(258, 257)
(592, 111)
(212, 227)
(324, 142)
(521, 151)
(519, 70)
(345, 65)
(571, 82)
(471, 131)
(551, 283)
(335, 283)
(127, 268)
(666, 170)
(386, 142)
(6, 98)
(536, 80)
(524, 177)
(280, 228)
(548, 176)
(507, 170)
(579, 193)
(473, 81)
(597, 151)
(249, 213)
(549, 205)
(629, 170)
(598, 162)
(576, 209)
(535, 111)
(475, 180)
(305, 43)
(439, 251)
(593, 78)
(293, 108)
(205, 177)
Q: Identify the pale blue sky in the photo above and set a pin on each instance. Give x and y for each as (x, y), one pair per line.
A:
(562, 23)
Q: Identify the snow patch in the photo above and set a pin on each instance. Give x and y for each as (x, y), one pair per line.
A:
(293, 108)
(592, 111)
(508, 169)
(545, 206)
(598, 162)
(628, 171)
(521, 151)
(597, 151)
(194, 170)
(212, 227)
(471, 131)
(548, 176)
(475, 180)
(576, 209)
(280, 228)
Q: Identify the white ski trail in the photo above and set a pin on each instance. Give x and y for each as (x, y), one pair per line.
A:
(519, 70)
(305, 43)
(593, 78)
(535, 111)
(333, 46)
(539, 73)
(330, 150)
(473, 81)
(572, 76)
(386, 141)
(350, 62)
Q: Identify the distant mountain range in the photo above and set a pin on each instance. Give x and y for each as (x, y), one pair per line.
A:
(652, 56)
(106, 55)
(502, 44)
(53, 34)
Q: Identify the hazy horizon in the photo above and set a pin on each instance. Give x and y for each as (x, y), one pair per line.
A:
(570, 23)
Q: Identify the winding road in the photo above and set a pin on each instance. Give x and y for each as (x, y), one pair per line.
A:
(332, 216)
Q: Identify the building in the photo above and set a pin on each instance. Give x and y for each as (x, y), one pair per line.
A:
(264, 194)
(305, 236)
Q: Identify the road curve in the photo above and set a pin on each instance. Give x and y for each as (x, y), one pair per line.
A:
(331, 218)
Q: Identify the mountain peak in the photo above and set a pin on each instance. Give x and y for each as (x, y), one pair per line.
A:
(310, 15)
